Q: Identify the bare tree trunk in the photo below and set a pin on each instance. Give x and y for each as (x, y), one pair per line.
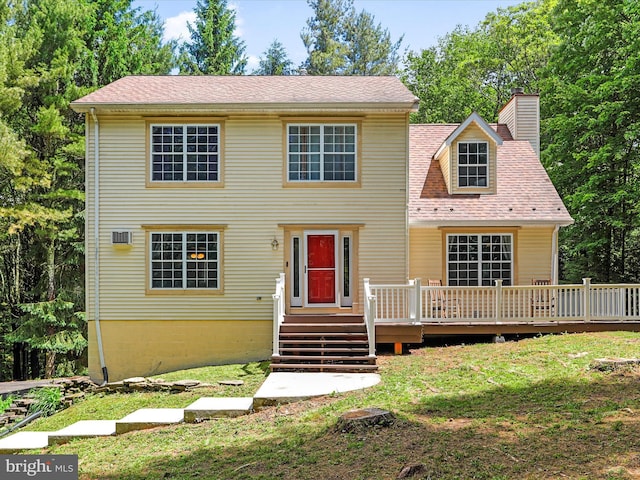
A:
(14, 300)
(50, 362)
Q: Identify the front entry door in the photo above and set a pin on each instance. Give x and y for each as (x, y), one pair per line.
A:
(321, 268)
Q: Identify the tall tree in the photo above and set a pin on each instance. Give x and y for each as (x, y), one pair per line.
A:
(275, 61)
(442, 78)
(323, 37)
(474, 69)
(592, 133)
(51, 52)
(340, 41)
(122, 39)
(213, 48)
(370, 50)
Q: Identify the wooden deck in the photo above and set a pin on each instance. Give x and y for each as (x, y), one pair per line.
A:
(407, 313)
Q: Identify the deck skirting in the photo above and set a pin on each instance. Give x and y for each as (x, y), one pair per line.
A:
(414, 333)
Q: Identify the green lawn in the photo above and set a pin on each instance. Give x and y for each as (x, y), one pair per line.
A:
(531, 409)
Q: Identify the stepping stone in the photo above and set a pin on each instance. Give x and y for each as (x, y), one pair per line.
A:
(149, 418)
(24, 441)
(84, 429)
(206, 408)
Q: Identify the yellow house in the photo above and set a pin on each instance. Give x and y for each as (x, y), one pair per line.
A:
(202, 190)
(207, 194)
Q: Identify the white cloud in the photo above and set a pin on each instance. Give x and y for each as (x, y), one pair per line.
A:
(253, 63)
(175, 28)
(238, 32)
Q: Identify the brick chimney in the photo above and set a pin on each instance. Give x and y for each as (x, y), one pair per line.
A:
(522, 115)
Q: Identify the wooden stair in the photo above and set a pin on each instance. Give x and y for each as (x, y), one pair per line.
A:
(323, 343)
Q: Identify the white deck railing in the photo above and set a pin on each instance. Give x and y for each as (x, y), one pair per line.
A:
(278, 313)
(414, 303)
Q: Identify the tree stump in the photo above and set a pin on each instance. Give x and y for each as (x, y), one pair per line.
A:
(363, 419)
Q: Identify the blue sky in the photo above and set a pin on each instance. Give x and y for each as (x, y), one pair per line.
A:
(259, 22)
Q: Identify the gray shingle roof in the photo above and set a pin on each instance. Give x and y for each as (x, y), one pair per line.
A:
(250, 90)
(525, 193)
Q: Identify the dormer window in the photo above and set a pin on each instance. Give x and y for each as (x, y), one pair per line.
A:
(473, 164)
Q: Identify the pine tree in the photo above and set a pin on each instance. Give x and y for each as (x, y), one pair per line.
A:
(213, 48)
(275, 61)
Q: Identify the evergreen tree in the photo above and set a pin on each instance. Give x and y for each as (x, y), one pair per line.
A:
(370, 50)
(340, 41)
(275, 61)
(323, 37)
(52, 52)
(213, 48)
(122, 40)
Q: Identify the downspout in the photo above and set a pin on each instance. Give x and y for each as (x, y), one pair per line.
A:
(554, 256)
(96, 241)
(407, 198)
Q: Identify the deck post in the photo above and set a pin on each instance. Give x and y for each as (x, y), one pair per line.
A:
(587, 299)
(418, 303)
(370, 310)
(412, 302)
(498, 301)
(278, 313)
(371, 324)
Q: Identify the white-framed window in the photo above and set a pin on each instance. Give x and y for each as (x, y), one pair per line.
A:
(479, 259)
(185, 153)
(185, 260)
(473, 164)
(322, 153)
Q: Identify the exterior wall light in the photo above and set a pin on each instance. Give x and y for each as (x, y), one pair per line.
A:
(274, 244)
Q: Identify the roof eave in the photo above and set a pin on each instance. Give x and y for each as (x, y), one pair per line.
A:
(473, 118)
(561, 222)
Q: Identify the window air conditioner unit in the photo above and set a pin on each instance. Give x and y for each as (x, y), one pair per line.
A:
(121, 238)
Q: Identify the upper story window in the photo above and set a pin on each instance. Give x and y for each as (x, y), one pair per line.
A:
(473, 164)
(185, 153)
(321, 153)
(185, 260)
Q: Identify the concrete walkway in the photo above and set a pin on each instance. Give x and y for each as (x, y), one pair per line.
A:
(279, 387)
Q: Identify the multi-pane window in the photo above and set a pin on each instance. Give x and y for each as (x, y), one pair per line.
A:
(479, 259)
(185, 153)
(473, 161)
(321, 152)
(185, 260)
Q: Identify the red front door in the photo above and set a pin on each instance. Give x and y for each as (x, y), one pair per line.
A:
(321, 269)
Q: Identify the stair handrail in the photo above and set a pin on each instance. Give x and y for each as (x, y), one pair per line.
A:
(370, 309)
(278, 313)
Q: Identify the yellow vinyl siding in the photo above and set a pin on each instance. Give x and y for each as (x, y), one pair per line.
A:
(253, 206)
(445, 165)
(473, 133)
(425, 252)
(531, 245)
(534, 254)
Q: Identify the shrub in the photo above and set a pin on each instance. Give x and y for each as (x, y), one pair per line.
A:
(47, 400)
(6, 403)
